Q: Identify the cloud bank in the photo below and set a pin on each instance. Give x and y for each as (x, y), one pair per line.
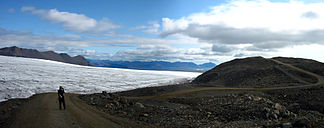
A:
(72, 21)
(234, 29)
(135, 48)
(262, 24)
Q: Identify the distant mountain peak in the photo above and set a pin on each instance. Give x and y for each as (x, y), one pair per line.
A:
(154, 65)
(48, 55)
(13, 47)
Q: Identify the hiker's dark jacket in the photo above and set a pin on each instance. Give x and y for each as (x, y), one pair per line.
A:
(60, 93)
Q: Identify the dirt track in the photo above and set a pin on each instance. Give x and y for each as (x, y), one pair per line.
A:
(42, 112)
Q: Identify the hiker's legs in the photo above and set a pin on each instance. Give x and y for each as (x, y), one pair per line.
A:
(60, 102)
(63, 102)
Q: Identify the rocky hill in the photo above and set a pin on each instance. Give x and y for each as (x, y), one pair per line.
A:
(306, 64)
(261, 72)
(48, 55)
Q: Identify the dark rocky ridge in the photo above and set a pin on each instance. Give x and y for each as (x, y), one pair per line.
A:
(219, 108)
(48, 55)
(306, 64)
(256, 72)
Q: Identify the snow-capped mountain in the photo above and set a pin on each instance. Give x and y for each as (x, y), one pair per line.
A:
(23, 77)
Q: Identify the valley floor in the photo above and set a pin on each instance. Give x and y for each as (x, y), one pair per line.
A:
(205, 108)
(42, 111)
(185, 105)
(302, 107)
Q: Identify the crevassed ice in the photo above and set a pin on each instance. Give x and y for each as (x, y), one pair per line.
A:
(23, 77)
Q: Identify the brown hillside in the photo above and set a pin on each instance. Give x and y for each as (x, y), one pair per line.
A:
(306, 64)
(254, 72)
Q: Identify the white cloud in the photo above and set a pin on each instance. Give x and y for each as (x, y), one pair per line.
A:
(72, 21)
(90, 53)
(170, 25)
(152, 28)
(11, 10)
(27, 38)
(148, 49)
(148, 52)
(222, 48)
(139, 27)
(27, 8)
(112, 34)
(274, 16)
(263, 24)
(311, 51)
(22, 37)
(235, 29)
(310, 15)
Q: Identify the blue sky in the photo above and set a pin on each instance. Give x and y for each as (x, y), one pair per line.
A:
(127, 13)
(170, 30)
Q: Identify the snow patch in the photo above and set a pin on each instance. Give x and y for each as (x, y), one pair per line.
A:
(23, 77)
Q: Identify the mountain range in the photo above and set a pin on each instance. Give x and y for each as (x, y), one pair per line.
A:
(154, 65)
(80, 60)
(48, 55)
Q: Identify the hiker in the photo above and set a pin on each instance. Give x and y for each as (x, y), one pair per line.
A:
(60, 93)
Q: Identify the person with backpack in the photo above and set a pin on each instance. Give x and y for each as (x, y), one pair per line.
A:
(60, 93)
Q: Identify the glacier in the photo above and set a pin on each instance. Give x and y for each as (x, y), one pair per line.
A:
(23, 77)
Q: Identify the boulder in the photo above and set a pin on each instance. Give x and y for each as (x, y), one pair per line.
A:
(139, 105)
(279, 107)
(286, 125)
(295, 107)
(302, 123)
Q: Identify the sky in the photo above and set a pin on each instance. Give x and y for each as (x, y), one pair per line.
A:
(197, 31)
